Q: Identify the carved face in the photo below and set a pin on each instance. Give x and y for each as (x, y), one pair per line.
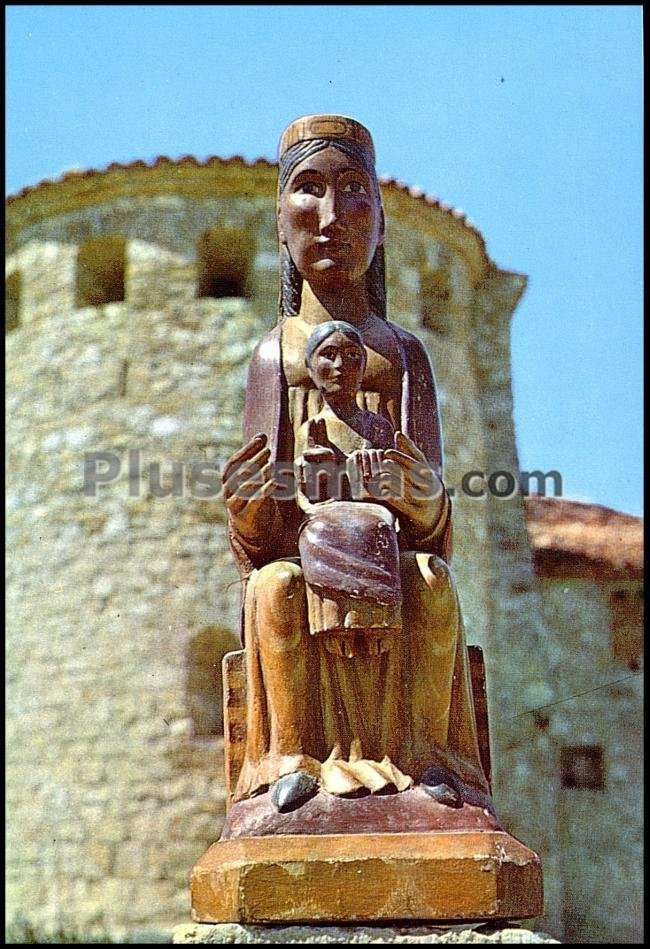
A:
(338, 364)
(330, 218)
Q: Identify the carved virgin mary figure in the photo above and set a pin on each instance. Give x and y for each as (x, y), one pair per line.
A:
(361, 719)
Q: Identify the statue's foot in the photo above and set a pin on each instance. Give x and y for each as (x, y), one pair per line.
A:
(293, 790)
(442, 786)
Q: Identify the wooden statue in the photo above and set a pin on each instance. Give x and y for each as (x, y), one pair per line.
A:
(353, 750)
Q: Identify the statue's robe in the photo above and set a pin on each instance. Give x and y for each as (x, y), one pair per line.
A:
(412, 703)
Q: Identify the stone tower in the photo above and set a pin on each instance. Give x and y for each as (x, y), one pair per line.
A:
(135, 296)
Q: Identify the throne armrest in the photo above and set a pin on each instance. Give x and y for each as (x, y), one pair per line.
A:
(234, 718)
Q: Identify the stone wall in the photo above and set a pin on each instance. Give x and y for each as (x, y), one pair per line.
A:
(515, 641)
(600, 836)
(111, 797)
(119, 606)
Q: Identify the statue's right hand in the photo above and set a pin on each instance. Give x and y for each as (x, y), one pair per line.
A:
(314, 467)
(313, 470)
(247, 483)
(317, 433)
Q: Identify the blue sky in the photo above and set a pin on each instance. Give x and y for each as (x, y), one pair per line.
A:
(526, 117)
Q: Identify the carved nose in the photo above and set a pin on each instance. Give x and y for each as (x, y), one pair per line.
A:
(328, 221)
(329, 215)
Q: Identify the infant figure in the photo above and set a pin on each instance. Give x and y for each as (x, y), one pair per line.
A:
(341, 481)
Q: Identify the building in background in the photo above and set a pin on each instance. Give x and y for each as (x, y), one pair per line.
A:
(589, 561)
(135, 297)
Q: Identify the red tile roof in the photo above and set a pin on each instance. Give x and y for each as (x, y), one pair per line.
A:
(564, 533)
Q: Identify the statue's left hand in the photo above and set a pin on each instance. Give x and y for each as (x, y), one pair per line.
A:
(421, 498)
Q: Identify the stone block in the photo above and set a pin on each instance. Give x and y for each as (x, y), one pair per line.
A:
(305, 935)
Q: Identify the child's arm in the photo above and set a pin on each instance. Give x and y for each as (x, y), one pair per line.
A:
(315, 463)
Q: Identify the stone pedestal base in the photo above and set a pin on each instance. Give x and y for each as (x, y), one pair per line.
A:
(446, 876)
(306, 935)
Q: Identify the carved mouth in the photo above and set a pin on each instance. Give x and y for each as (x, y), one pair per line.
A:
(331, 254)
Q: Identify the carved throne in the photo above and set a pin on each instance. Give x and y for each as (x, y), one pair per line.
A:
(235, 703)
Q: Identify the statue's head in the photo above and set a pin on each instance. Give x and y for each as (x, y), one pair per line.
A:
(330, 216)
(336, 357)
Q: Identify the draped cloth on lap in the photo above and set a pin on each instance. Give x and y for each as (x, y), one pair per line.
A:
(351, 547)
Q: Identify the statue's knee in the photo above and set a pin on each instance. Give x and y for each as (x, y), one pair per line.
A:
(280, 594)
(435, 572)
(281, 581)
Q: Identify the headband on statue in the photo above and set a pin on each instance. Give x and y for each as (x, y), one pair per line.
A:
(328, 127)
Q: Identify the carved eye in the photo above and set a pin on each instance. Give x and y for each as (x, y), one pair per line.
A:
(315, 188)
(354, 187)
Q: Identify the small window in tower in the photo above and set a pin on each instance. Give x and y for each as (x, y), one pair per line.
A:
(435, 298)
(203, 679)
(582, 767)
(13, 288)
(225, 258)
(626, 619)
(100, 271)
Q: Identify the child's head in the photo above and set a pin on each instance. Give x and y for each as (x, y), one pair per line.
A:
(336, 357)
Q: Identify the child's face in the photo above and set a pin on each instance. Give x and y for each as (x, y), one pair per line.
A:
(338, 364)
